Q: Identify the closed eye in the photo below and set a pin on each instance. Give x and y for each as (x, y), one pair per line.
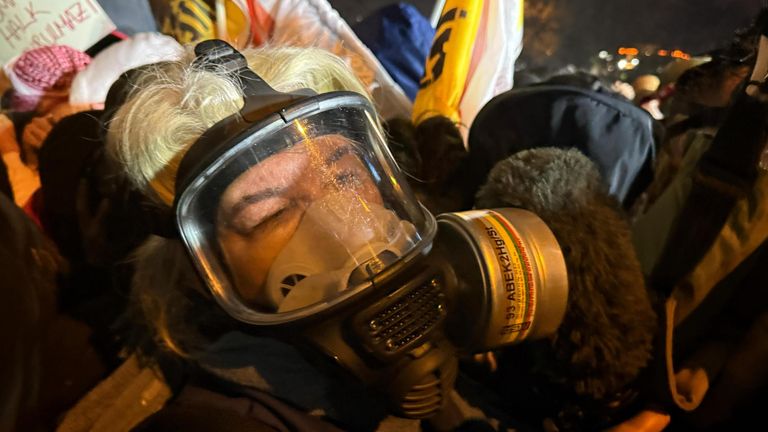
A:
(248, 200)
(274, 217)
(252, 214)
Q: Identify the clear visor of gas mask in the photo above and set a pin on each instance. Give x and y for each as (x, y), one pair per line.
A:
(299, 216)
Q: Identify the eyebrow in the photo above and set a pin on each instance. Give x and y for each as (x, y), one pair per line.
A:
(339, 153)
(247, 200)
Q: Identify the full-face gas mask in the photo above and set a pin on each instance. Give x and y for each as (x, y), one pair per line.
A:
(301, 225)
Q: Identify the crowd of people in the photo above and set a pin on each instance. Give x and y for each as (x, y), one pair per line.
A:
(198, 237)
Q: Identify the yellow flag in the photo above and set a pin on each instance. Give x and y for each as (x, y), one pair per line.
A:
(447, 67)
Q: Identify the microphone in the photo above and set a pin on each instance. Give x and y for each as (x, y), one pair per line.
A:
(605, 339)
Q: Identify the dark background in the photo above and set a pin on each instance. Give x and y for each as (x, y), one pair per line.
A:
(694, 26)
(579, 29)
(561, 32)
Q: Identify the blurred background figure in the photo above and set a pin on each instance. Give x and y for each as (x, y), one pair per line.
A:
(646, 97)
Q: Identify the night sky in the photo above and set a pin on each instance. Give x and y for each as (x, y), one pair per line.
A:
(694, 26)
(589, 26)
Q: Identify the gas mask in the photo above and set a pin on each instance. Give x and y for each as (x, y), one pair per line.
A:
(302, 227)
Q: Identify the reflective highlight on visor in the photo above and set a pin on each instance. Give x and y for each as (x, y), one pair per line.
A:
(294, 227)
(292, 218)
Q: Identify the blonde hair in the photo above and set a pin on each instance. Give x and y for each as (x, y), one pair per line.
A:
(169, 105)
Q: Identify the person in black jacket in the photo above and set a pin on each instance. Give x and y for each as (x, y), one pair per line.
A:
(273, 209)
(618, 136)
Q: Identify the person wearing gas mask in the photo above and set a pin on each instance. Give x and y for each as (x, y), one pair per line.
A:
(294, 272)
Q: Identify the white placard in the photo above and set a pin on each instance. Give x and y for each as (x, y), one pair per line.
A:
(26, 24)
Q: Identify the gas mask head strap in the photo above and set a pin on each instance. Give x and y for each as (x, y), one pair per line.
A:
(260, 101)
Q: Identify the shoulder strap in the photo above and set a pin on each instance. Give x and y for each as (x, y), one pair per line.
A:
(726, 173)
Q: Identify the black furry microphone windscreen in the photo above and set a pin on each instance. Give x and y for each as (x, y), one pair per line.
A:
(606, 336)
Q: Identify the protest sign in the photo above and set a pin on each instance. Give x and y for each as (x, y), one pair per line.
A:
(27, 24)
